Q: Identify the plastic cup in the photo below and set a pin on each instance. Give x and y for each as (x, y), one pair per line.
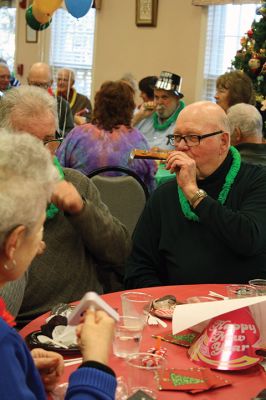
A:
(127, 337)
(259, 285)
(144, 371)
(239, 291)
(136, 304)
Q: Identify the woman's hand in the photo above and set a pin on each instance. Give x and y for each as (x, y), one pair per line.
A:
(95, 335)
(50, 366)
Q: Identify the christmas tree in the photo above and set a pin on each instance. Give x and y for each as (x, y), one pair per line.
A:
(251, 58)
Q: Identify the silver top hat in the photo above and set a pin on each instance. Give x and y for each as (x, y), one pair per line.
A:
(171, 82)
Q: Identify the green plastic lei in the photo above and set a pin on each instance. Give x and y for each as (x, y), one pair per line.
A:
(229, 180)
(168, 122)
(52, 210)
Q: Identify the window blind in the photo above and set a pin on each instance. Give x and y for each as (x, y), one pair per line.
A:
(8, 35)
(72, 46)
(226, 25)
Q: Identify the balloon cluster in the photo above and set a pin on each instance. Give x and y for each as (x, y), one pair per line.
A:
(39, 14)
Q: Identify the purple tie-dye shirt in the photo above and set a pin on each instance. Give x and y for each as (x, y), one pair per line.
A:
(87, 147)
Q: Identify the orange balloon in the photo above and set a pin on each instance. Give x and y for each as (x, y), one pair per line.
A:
(47, 6)
(39, 16)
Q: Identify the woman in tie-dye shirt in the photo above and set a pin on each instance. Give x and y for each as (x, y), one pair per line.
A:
(109, 139)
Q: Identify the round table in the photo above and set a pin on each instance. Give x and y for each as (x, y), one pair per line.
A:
(246, 384)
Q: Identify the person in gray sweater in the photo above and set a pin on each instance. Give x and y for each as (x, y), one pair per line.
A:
(246, 133)
(80, 233)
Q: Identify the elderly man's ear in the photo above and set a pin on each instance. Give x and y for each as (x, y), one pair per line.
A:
(225, 141)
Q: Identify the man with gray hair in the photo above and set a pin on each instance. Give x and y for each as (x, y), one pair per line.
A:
(81, 234)
(158, 124)
(4, 77)
(79, 103)
(246, 132)
(40, 74)
(208, 225)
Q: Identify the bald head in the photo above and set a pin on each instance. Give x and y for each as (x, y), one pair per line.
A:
(40, 74)
(206, 115)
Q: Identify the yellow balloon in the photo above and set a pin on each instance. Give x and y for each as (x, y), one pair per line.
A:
(39, 16)
(47, 6)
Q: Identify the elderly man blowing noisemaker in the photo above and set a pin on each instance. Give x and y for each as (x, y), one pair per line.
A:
(209, 224)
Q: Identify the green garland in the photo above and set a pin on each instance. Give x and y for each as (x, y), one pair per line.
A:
(229, 180)
(52, 210)
(161, 127)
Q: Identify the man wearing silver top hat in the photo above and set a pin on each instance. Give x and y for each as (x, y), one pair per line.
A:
(160, 123)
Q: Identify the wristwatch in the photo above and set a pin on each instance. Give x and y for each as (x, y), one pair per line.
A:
(198, 195)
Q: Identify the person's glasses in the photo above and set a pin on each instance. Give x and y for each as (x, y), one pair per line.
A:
(63, 79)
(5, 77)
(52, 144)
(44, 85)
(190, 140)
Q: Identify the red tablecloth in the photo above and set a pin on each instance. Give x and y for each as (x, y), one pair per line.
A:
(246, 384)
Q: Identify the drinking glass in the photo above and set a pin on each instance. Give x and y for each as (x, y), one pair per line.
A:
(136, 304)
(144, 371)
(259, 285)
(127, 337)
(239, 291)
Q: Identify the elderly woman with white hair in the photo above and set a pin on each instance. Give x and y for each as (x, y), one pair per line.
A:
(27, 178)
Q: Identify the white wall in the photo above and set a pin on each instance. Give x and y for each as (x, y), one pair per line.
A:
(176, 44)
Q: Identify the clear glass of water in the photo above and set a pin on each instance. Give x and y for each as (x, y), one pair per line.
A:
(127, 337)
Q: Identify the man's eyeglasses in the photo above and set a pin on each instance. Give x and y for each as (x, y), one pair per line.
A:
(5, 77)
(52, 144)
(190, 140)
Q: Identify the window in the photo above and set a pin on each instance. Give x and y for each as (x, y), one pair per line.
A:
(7, 35)
(72, 46)
(226, 25)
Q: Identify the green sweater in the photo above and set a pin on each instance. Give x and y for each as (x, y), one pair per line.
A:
(227, 245)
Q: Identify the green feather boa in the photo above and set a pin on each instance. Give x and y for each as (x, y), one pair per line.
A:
(229, 180)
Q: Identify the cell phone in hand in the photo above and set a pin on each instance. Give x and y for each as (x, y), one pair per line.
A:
(91, 300)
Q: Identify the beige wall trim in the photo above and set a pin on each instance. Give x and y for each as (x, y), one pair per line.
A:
(221, 2)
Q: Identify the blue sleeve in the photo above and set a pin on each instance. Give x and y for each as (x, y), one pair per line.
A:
(19, 378)
(91, 384)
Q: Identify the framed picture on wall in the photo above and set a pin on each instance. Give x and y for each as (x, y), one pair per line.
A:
(146, 12)
(31, 35)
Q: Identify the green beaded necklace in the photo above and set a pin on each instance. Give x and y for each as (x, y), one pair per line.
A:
(161, 127)
(229, 180)
(52, 210)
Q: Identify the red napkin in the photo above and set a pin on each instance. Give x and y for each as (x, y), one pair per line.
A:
(193, 380)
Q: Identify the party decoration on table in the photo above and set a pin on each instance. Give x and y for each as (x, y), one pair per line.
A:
(193, 380)
(140, 395)
(184, 338)
(164, 306)
(228, 342)
(78, 8)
